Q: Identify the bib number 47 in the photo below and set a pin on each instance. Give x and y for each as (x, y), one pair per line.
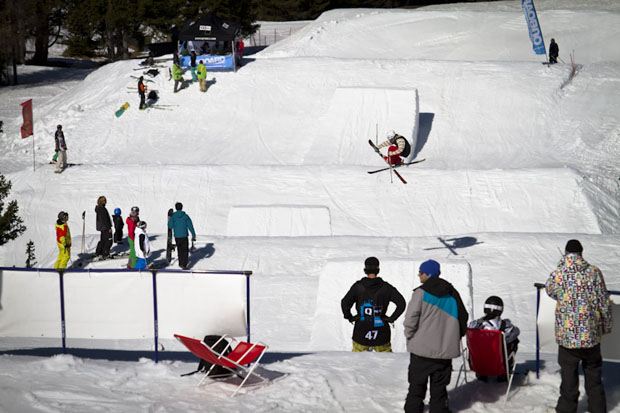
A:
(371, 335)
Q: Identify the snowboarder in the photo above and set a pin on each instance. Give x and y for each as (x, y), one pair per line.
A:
(143, 247)
(582, 315)
(104, 226)
(63, 241)
(142, 93)
(371, 297)
(118, 226)
(492, 320)
(61, 149)
(399, 148)
(177, 75)
(181, 223)
(434, 323)
(554, 52)
(131, 222)
(201, 72)
(192, 65)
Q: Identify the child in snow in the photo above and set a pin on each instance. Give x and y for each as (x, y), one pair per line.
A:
(118, 226)
(143, 248)
(493, 309)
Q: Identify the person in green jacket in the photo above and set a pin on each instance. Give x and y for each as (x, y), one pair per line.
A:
(177, 75)
(181, 224)
(201, 72)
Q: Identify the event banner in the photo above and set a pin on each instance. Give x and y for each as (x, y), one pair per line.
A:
(27, 115)
(534, 27)
(211, 61)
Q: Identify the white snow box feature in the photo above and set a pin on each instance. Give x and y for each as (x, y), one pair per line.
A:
(332, 332)
(279, 221)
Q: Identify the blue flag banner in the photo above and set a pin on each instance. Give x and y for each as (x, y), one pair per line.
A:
(534, 27)
(210, 61)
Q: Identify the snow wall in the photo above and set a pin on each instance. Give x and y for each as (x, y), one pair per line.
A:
(278, 220)
(610, 345)
(119, 306)
(332, 332)
(356, 114)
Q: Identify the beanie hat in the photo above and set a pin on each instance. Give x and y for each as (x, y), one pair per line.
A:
(573, 246)
(430, 268)
(371, 265)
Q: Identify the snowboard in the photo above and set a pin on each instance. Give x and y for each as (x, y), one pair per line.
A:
(122, 109)
(169, 245)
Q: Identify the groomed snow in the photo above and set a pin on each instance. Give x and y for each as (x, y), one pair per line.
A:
(520, 157)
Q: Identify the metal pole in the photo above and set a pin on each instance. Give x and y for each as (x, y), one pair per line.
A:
(62, 310)
(537, 338)
(247, 303)
(33, 157)
(155, 320)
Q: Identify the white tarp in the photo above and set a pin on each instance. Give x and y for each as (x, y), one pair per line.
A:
(332, 332)
(610, 345)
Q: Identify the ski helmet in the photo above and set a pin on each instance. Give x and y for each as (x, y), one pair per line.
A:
(493, 306)
(141, 224)
(135, 209)
(117, 211)
(391, 135)
(371, 265)
(62, 215)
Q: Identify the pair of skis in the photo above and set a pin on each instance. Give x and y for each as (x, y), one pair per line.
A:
(391, 167)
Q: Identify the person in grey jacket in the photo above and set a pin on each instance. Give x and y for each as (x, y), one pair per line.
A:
(435, 321)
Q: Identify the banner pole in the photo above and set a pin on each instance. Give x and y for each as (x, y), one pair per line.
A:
(247, 300)
(155, 320)
(33, 160)
(62, 311)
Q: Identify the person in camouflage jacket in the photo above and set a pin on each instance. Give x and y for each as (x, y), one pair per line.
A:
(582, 316)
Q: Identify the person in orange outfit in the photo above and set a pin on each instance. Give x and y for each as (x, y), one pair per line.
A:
(63, 240)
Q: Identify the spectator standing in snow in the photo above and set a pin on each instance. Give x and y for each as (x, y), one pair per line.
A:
(63, 241)
(239, 46)
(201, 72)
(131, 222)
(399, 148)
(371, 297)
(177, 75)
(104, 226)
(143, 246)
(492, 320)
(192, 66)
(582, 316)
(434, 323)
(142, 92)
(61, 149)
(181, 224)
(554, 52)
(118, 226)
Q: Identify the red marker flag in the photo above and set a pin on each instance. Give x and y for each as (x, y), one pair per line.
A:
(27, 115)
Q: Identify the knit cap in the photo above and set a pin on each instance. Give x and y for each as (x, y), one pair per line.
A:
(430, 268)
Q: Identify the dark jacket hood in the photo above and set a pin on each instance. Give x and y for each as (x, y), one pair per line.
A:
(372, 284)
(437, 287)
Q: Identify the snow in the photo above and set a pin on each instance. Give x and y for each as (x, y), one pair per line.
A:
(271, 165)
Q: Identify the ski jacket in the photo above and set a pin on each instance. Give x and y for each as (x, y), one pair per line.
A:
(63, 235)
(103, 218)
(59, 137)
(181, 223)
(403, 147)
(192, 60)
(176, 72)
(371, 297)
(143, 247)
(201, 71)
(239, 46)
(131, 227)
(435, 320)
(511, 332)
(554, 50)
(118, 222)
(141, 88)
(583, 309)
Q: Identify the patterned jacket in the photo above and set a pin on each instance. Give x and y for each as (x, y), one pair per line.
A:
(583, 309)
(63, 235)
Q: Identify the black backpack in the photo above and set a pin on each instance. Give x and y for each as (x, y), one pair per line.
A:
(405, 153)
(220, 348)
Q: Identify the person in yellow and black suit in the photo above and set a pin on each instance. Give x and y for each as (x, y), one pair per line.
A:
(63, 240)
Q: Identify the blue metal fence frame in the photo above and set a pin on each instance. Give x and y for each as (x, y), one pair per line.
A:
(154, 273)
(540, 286)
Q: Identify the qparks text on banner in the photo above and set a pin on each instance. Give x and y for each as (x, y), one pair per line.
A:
(533, 26)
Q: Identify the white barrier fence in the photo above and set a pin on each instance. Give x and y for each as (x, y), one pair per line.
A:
(123, 304)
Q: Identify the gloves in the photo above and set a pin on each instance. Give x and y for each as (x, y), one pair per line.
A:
(193, 239)
(387, 320)
(353, 318)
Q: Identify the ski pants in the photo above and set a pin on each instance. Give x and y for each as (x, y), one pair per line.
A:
(420, 370)
(182, 250)
(142, 100)
(61, 163)
(132, 254)
(592, 363)
(193, 70)
(383, 348)
(118, 235)
(64, 253)
(140, 264)
(105, 243)
(178, 82)
(393, 159)
(203, 84)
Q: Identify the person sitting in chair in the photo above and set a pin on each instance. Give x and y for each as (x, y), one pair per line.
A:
(492, 320)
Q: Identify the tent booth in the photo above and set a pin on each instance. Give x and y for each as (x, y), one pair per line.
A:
(203, 34)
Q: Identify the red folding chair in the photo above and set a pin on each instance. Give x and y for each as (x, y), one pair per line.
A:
(237, 361)
(485, 351)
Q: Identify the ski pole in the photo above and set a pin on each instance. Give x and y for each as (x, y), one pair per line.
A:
(83, 230)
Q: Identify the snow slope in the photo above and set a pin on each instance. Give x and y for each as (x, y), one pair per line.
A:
(271, 165)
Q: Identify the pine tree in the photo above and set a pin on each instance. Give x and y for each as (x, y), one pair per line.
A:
(31, 260)
(11, 225)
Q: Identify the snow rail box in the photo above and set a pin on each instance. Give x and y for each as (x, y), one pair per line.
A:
(122, 306)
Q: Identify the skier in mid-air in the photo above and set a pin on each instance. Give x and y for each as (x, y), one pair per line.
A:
(398, 148)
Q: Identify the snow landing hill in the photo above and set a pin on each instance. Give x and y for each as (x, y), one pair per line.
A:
(271, 165)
